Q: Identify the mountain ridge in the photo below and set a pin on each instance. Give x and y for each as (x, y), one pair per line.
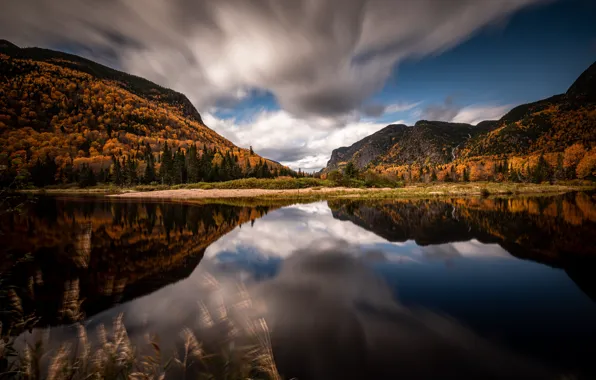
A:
(84, 122)
(546, 127)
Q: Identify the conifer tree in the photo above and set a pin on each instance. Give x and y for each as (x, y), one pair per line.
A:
(193, 165)
(149, 175)
(179, 167)
(167, 166)
(466, 175)
(559, 174)
(541, 171)
(116, 171)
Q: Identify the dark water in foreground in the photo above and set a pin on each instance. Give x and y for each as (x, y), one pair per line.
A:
(347, 286)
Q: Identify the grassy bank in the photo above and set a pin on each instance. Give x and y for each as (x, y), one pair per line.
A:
(313, 189)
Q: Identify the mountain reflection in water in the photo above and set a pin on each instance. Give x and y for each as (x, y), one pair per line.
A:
(349, 286)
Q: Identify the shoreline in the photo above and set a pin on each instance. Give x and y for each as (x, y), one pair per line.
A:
(413, 191)
(470, 189)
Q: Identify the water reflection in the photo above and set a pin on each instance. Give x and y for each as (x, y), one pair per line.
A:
(351, 271)
(66, 253)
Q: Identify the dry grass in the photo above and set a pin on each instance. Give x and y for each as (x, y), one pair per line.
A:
(310, 189)
(473, 189)
(245, 353)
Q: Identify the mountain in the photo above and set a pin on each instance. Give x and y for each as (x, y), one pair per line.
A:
(83, 114)
(367, 149)
(560, 125)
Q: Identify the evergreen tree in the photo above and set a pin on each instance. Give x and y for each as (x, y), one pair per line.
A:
(350, 171)
(86, 176)
(513, 175)
(104, 175)
(266, 172)
(193, 165)
(37, 174)
(248, 169)
(179, 167)
(43, 173)
(166, 170)
(541, 171)
(129, 171)
(66, 172)
(150, 175)
(235, 169)
(466, 175)
(117, 177)
(206, 165)
(559, 174)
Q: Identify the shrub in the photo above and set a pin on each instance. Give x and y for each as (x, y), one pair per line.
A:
(373, 179)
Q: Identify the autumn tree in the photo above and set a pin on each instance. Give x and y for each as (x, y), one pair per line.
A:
(571, 158)
(586, 168)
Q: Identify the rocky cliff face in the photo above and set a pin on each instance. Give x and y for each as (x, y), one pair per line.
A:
(367, 149)
(433, 141)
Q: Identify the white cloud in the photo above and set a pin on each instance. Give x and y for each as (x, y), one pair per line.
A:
(298, 143)
(282, 232)
(401, 107)
(477, 113)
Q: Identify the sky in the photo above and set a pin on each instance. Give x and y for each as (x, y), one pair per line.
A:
(296, 79)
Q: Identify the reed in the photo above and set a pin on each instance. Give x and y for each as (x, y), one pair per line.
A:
(244, 353)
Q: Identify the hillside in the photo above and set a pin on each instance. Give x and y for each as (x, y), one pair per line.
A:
(554, 137)
(74, 117)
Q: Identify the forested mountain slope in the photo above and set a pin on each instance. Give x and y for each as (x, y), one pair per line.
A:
(75, 118)
(554, 138)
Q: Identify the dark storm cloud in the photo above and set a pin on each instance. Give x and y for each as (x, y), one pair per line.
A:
(319, 58)
(442, 112)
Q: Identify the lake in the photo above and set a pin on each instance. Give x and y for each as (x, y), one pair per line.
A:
(461, 287)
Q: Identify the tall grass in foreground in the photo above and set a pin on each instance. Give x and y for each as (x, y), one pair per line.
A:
(244, 352)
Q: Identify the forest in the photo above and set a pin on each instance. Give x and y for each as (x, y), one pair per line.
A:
(64, 120)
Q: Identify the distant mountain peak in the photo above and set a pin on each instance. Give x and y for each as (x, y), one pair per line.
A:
(7, 44)
(584, 88)
(547, 126)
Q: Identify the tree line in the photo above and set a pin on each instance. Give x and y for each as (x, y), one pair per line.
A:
(168, 167)
(575, 163)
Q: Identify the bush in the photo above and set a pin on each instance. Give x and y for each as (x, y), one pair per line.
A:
(280, 183)
(335, 176)
(373, 179)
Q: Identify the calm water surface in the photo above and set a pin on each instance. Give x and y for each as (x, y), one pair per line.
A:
(346, 286)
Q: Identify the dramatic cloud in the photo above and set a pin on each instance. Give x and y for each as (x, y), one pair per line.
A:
(322, 58)
(443, 112)
(299, 143)
(451, 111)
(476, 114)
